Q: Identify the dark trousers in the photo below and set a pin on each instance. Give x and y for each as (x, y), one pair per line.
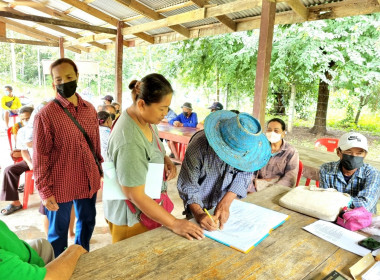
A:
(11, 179)
(85, 212)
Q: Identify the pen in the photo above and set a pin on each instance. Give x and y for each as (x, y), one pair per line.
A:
(208, 214)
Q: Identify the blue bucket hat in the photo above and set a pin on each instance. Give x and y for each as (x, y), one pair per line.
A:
(237, 140)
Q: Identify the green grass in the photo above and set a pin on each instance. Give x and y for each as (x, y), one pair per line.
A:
(368, 122)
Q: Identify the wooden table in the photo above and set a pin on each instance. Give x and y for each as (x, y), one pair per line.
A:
(312, 159)
(180, 135)
(289, 252)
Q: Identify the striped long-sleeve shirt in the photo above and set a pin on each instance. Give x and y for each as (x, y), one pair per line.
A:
(204, 178)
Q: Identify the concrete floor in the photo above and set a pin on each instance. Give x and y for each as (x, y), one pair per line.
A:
(28, 223)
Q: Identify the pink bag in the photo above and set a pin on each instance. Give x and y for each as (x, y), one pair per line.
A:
(355, 219)
(164, 201)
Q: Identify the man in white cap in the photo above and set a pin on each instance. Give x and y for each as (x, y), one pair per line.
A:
(350, 175)
(219, 164)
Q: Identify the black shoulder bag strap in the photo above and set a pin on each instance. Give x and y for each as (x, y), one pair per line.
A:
(84, 134)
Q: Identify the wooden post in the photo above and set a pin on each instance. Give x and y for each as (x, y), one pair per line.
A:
(61, 49)
(268, 12)
(3, 29)
(119, 63)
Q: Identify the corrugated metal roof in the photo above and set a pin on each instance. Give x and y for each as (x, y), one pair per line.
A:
(58, 5)
(121, 12)
(79, 14)
(160, 4)
(150, 32)
(50, 31)
(30, 11)
(113, 8)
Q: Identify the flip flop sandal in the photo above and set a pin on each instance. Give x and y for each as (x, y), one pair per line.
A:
(10, 209)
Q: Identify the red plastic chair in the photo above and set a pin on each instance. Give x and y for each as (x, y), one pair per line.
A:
(330, 143)
(300, 169)
(9, 133)
(308, 180)
(28, 188)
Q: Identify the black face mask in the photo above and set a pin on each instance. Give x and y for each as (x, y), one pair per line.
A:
(113, 116)
(186, 114)
(351, 162)
(67, 90)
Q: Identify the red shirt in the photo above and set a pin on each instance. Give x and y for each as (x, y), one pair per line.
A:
(62, 160)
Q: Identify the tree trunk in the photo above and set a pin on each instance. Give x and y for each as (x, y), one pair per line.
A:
(291, 107)
(38, 66)
(217, 84)
(13, 58)
(228, 90)
(319, 127)
(279, 108)
(363, 102)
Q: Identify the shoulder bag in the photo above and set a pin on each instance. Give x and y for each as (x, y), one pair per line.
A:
(9, 103)
(84, 134)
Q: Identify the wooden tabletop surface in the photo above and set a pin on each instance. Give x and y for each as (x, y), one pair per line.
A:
(177, 134)
(289, 252)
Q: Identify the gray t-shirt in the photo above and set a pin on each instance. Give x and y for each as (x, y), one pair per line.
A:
(131, 153)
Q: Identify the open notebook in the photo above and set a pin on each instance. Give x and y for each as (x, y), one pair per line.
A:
(247, 226)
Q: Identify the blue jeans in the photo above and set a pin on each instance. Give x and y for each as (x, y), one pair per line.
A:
(59, 221)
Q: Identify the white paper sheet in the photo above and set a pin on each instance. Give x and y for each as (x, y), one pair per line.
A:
(247, 225)
(154, 178)
(339, 236)
(112, 189)
(373, 273)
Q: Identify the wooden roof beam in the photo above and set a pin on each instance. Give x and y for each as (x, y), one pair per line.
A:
(223, 18)
(29, 42)
(57, 22)
(88, 39)
(150, 13)
(199, 14)
(58, 14)
(299, 8)
(31, 32)
(111, 20)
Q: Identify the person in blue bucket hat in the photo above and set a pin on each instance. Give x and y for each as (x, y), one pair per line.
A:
(219, 163)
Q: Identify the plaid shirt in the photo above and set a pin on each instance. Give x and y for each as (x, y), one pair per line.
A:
(204, 178)
(63, 163)
(363, 186)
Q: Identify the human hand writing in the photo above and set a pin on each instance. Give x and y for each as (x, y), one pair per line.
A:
(206, 223)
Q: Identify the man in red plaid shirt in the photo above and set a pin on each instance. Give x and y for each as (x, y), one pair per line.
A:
(65, 169)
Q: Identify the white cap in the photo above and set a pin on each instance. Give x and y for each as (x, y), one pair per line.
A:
(353, 140)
